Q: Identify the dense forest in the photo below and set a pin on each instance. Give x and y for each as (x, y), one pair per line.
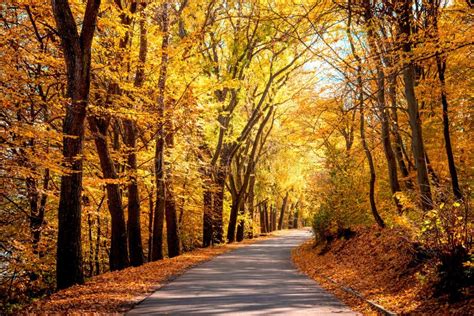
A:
(134, 130)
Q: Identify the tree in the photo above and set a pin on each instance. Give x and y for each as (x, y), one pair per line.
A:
(77, 55)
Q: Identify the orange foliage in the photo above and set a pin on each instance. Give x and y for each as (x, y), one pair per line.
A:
(383, 266)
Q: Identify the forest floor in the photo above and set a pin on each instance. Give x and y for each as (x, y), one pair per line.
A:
(118, 291)
(383, 267)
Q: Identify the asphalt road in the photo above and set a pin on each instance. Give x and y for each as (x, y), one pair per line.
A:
(258, 279)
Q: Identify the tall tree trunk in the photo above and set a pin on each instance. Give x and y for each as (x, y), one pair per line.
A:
(368, 154)
(133, 225)
(135, 245)
(118, 249)
(266, 217)
(241, 224)
(172, 230)
(77, 54)
(441, 67)
(150, 223)
(296, 216)
(250, 203)
(218, 199)
(404, 11)
(384, 117)
(360, 101)
(159, 160)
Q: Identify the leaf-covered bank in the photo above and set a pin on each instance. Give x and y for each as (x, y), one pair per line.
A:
(385, 267)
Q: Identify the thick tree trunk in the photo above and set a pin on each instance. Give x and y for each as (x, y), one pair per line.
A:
(241, 224)
(296, 216)
(133, 225)
(77, 54)
(413, 113)
(234, 211)
(274, 218)
(267, 218)
(263, 222)
(118, 249)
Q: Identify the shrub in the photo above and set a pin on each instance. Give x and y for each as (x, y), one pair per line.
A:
(448, 231)
(321, 224)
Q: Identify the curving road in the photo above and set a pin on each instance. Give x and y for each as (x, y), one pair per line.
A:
(258, 279)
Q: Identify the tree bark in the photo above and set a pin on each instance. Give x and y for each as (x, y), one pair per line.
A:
(387, 144)
(77, 55)
(118, 249)
(172, 230)
(161, 187)
(404, 11)
(360, 101)
(399, 146)
(135, 245)
(282, 212)
(441, 67)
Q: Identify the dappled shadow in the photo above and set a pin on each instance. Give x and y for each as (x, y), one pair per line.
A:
(258, 279)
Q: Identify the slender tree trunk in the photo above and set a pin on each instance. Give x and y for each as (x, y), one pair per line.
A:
(135, 245)
(172, 230)
(368, 154)
(392, 92)
(447, 136)
(77, 54)
(159, 162)
(234, 211)
(150, 224)
(381, 104)
(97, 243)
(250, 203)
(282, 212)
(387, 144)
(218, 199)
(274, 218)
(360, 100)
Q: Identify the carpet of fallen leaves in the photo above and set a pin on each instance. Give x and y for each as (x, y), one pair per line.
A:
(382, 266)
(118, 291)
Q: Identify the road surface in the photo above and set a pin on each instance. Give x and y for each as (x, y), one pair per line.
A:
(258, 279)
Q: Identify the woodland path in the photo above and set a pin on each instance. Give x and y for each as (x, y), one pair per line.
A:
(258, 279)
